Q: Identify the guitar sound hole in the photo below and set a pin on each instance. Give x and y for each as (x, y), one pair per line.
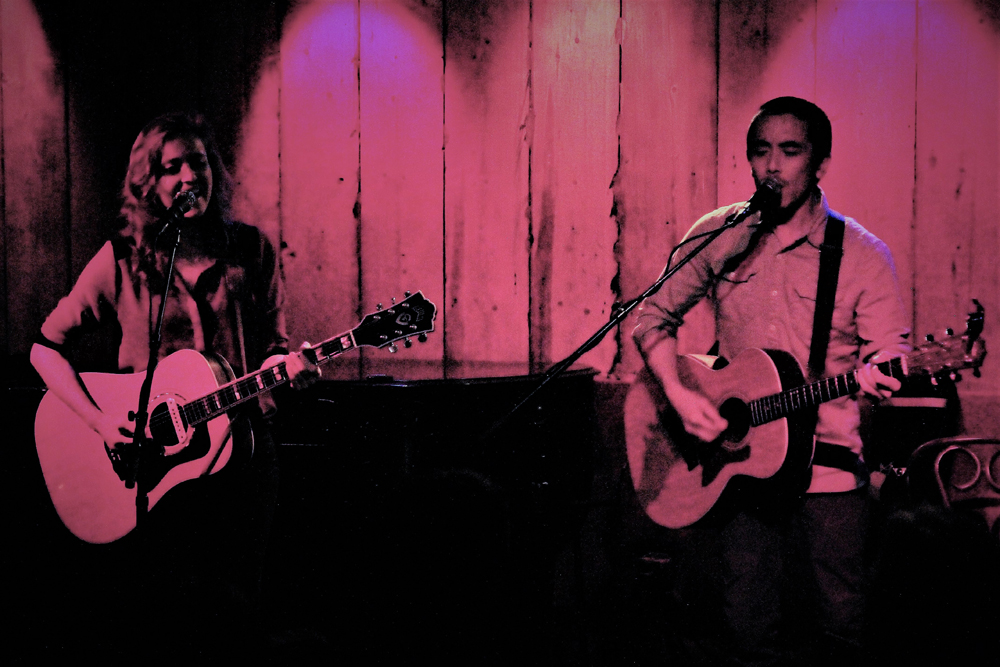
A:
(161, 428)
(737, 413)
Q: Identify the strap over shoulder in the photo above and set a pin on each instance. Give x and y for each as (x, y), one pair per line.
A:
(830, 254)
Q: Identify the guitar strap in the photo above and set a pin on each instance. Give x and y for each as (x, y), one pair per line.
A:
(830, 254)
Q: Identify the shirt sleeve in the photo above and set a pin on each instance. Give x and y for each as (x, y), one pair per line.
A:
(270, 330)
(662, 314)
(881, 319)
(85, 305)
(275, 331)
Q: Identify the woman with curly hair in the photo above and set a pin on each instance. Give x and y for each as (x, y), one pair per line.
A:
(224, 298)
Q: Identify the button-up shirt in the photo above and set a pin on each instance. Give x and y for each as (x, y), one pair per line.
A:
(767, 300)
(240, 290)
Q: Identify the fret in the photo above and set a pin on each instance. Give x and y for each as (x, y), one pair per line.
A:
(266, 379)
(241, 389)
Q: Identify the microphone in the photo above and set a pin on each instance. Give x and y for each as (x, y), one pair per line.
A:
(768, 195)
(183, 202)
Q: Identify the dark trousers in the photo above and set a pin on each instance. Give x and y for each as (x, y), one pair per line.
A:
(774, 583)
(201, 561)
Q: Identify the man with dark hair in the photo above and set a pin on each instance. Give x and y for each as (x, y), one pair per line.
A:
(819, 133)
(762, 566)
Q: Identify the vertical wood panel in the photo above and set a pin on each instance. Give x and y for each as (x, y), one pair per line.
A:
(667, 177)
(34, 164)
(866, 74)
(575, 81)
(486, 188)
(958, 121)
(857, 59)
(90, 221)
(401, 161)
(319, 169)
(766, 49)
(257, 172)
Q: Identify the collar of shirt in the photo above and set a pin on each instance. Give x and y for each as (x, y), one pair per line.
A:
(813, 216)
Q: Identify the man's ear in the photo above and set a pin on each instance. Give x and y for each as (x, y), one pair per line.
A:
(821, 169)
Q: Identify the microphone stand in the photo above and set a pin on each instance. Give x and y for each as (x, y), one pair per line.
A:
(145, 452)
(622, 312)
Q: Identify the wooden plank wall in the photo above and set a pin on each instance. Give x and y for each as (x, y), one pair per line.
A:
(525, 164)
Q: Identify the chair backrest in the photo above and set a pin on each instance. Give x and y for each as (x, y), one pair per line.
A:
(961, 473)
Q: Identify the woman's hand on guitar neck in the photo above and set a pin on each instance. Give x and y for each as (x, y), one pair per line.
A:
(301, 372)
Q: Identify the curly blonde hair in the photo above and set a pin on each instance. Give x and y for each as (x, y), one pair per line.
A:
(141, 208)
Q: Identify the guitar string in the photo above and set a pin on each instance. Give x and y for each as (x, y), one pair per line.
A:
(245, 389)
(248, 387)
(777, 406)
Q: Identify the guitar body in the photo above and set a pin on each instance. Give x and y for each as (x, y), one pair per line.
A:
(193, 423)
(677, 477)
(88, 494)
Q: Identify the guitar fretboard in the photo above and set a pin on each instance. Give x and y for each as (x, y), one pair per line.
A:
(777, 406)
(243, 389)
(413, 316)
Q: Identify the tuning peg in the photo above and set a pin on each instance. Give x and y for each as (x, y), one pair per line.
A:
(955, 376)
(422, 338)
(393, 349)
(407, 294)
(378, 306)
(929, 338)
(394, 300)
(949, 332)
(934, 380)
(407, 343)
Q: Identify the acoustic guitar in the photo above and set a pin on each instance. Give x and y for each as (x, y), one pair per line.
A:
(770, 411)
(193, 423)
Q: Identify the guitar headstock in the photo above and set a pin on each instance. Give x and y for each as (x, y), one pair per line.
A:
(413, 316)
(947, 356)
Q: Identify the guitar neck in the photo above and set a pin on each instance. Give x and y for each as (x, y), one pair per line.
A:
(249, 386)
(808, 396)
